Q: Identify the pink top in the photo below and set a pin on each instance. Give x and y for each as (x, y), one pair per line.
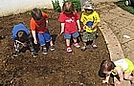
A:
(70, 21)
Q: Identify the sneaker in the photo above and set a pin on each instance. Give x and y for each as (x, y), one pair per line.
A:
(16, 53)
(34, 53)
(76, 45)
(69, 50)
(94, 46)
(52, 48)
(44, 51)
(83, 48)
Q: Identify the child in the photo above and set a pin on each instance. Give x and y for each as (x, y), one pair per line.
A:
(90, 20)
(123, 68)
(70, 24)
(38, 24)
(21, 36)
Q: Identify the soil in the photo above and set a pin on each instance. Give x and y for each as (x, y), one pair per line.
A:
(57, 68)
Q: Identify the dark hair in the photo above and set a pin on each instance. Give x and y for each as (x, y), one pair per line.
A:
(22, 36)
(106, 65)
(36, 14)
(68, 7)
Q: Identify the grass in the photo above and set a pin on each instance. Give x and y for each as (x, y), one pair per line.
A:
(127, 8)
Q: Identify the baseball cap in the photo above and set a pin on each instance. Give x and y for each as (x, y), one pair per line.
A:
(88, 5)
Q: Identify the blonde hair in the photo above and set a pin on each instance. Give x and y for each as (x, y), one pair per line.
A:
(68, 7)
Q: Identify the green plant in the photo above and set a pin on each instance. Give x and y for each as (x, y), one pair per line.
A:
(44, 9)
(56, 5)
(122, 5)
(77, 4)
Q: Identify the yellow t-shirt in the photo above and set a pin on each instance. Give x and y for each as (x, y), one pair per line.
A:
(125, 64)
(93, 17)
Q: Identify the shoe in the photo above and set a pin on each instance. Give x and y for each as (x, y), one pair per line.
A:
(44, 51)
(76, 45)
(69, 50)
(83, 48)
(16, 53)
(34, 53)
(94, 46)
(52, 48)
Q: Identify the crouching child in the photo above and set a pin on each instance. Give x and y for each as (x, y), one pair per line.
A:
(21, 38)
(122, 69)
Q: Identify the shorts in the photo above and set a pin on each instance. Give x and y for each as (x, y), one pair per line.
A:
(130, 66)
(87, 36)
(68, 36)
(44, 37)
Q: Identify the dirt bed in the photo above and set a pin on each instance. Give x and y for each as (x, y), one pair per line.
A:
(58, 68)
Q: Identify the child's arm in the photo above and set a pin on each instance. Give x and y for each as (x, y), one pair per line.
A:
(120, 73)
(24, 44)
(106, 80)
(84, 26)
(78, 24)
(62, 28)
(17, 41)
(94, 25)
(34, 36)
(47, 22)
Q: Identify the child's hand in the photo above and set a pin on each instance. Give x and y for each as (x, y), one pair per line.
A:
(92, 28)
(61, 32)
(79, 30)
(35, 42)
(117, 82)
(24, 44)
(84, 27)
(105, 81)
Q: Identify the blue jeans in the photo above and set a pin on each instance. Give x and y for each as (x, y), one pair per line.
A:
(68, 36)
(44, 37)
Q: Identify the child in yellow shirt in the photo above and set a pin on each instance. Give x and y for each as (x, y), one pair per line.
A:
(90, 19)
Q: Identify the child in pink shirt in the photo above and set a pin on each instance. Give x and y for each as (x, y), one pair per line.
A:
(70, 24)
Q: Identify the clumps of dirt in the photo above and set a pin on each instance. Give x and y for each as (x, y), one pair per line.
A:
(58, 68)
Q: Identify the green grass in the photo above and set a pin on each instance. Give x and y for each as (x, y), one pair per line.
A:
(122, 5)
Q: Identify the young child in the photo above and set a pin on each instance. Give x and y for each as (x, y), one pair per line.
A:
(38, 25)
(122, 67)
(70, 24)
(21, 37)
(90, 20)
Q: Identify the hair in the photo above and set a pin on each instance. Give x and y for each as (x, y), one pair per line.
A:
(36, 14)
(106, 65)
(68, 7)
(22, 36)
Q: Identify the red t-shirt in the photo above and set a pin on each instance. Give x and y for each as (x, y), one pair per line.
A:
(70, 21)
(39, 26)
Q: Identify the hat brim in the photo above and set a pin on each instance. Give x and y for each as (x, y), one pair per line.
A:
(90, 8)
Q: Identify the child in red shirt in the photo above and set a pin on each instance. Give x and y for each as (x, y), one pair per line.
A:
(70, 24)
(38, 24)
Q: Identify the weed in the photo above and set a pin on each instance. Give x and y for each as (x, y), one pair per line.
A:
(56, 5)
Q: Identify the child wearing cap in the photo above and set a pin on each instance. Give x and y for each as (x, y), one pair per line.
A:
(70, 24)
(90, 19)
(40, 32)
(21, 37)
